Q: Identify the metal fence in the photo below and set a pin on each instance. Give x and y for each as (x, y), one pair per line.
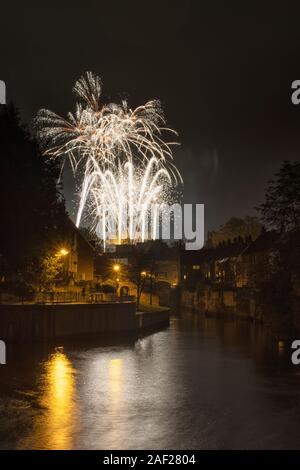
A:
(67, 297)
(79, 297)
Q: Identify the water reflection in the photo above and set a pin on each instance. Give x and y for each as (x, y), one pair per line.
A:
(203, 383)
(115, 376)
(115, 381)
(57, 398)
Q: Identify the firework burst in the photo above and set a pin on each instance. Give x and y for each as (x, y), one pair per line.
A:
(125, 162)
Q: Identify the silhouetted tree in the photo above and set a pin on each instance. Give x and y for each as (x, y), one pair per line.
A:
(51, 268)
(281, 209)
(155, 249)
(278, 280)
(139, 265)
(31, 206)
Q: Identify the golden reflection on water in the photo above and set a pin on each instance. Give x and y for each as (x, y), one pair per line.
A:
(115, 383)
(59, 399)
(115, 377)
(54, 429)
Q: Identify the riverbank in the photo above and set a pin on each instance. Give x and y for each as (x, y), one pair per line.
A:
(221, 301)
(152, 317)
(243, 303)
(33, 322)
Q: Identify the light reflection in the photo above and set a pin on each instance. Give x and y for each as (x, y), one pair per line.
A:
(55, 427)
(115, 375)
(59, 399)
(115, 391)
(117, 404)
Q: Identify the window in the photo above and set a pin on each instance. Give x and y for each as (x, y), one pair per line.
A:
(196, 266)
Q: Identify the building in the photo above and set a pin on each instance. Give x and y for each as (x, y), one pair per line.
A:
(165, 268)
(213, 265)
(233, 230)
(231, 264)
(254, 262)
(78, 254)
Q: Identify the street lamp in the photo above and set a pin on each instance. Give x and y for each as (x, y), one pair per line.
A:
(63, 252)
(116, 270)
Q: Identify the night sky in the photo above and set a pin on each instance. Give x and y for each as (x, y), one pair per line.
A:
(222, 70)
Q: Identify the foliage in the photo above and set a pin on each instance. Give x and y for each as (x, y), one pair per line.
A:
(143, 263)
(105, 269)
(279, 281)
(276, 277)
(51, 267)
(32, 208)
(281, 209)
(138, 266)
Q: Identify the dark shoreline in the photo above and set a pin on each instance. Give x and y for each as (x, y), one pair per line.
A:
(44, 323)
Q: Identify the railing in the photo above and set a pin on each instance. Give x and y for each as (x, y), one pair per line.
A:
(79, 297)
(66, 297)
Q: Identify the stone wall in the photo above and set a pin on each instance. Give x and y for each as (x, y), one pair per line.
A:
(221, 301)
(146, 320)
(33, 322)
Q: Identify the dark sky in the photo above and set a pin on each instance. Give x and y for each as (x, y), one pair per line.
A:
(222, 70)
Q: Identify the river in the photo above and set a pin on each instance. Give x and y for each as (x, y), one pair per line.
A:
(202, 383)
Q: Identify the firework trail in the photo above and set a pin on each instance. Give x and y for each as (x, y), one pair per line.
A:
(125, 162)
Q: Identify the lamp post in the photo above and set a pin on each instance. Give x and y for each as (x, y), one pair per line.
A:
(63, 252)
(116, 270)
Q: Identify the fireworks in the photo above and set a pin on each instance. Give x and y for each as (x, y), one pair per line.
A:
(120, 154)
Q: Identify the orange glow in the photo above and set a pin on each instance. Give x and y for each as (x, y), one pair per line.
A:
(55, 428)
(115, 370)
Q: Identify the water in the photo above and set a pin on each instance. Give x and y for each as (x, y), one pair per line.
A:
(203, 383)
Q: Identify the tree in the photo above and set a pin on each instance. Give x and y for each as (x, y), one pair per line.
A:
(143, 264)
(32, 208)
(106, 268)
(275, 276)
(155, 249)
(51, 267)
(137, 269)
(279, 283)
(281, 209)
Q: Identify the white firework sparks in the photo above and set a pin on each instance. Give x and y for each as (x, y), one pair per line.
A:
(126, 164)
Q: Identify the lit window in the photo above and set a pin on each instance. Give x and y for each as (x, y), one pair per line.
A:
(196, 266)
